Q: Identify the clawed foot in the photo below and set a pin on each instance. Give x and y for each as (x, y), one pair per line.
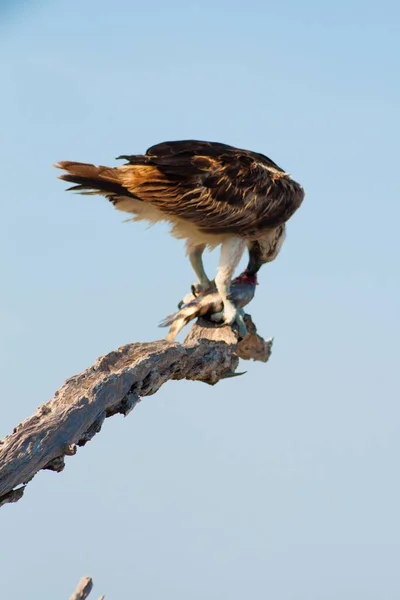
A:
(201, 288)
(197, 290)
(231, 316)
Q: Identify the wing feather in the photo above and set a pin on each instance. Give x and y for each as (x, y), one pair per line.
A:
(214, 187)
(218, 188)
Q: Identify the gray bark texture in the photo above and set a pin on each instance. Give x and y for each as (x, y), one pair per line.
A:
(115, 384)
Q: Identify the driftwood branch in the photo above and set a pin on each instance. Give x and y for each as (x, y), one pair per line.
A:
(83, 589)
(115, 384)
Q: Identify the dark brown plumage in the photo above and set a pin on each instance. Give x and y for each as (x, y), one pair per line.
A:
(218, 188)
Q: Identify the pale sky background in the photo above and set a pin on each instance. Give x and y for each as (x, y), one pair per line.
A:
(281, 484)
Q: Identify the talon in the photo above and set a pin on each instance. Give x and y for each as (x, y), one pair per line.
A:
(188, 298)
(201, 288)
(231, 317)
(197, 289)
(239, 320)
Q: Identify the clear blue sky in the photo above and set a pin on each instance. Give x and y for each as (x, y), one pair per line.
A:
(282, 484)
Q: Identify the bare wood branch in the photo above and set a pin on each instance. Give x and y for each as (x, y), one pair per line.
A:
(115, 384)
(83, 590)
(253, 346)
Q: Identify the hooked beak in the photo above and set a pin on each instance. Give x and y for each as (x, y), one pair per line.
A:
(255, 262)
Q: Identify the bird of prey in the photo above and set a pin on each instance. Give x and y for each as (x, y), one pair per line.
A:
(212, 194)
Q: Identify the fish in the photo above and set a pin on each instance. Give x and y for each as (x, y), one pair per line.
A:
(210, 305)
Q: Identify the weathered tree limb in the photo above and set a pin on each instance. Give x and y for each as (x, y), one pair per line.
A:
(115, 384)
(83, 589)
(253, 346)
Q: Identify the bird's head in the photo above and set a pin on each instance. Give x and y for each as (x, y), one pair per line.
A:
(265, 249)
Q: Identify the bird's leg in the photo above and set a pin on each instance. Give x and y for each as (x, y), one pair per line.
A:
(231, 253)
(196, 260)
(195, 253)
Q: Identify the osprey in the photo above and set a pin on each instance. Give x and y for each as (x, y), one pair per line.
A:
(212, 194)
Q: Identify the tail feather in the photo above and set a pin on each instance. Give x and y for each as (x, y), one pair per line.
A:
(90, 179)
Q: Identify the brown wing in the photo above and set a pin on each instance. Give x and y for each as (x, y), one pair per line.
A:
(218, 188)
